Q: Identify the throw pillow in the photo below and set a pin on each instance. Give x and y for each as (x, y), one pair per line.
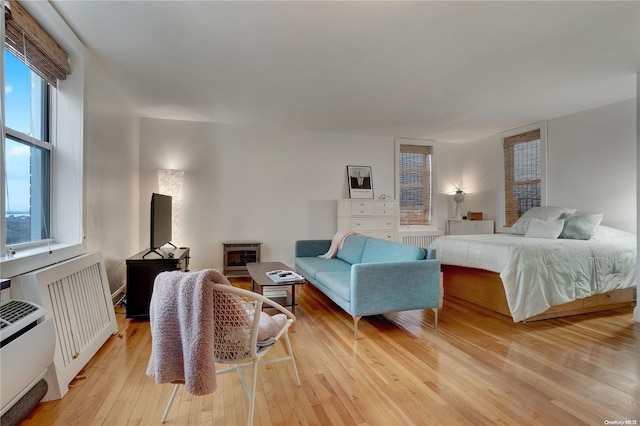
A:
(542, 213)
(580, 227)
(549, 229)
(269, 327)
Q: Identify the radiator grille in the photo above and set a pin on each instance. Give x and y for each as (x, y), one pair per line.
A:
(421, 240)
(76, 294)
(80, 309)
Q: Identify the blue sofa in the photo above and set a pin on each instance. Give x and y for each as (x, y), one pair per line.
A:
(370, 276)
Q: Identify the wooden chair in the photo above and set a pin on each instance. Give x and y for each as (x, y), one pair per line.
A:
(237, 327)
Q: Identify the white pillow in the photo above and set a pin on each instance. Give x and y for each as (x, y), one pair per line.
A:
(549, 229)
(543, 213)
(581, 227)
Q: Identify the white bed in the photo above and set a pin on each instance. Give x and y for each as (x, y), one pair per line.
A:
(538, 274)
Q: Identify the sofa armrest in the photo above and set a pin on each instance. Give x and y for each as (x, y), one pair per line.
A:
(312, 248)
(378, 288)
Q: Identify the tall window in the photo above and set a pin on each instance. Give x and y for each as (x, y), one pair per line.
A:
(415, 185)
(27, 180)
(523, 172)
(33, 63)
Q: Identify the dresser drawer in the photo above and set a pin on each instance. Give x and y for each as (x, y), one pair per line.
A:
(362, 208)
(372, 223)
(388, 234)
(374, 217)
(385, 208)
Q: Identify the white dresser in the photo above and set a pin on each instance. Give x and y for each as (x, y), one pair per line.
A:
(468, 227)
(375, 218)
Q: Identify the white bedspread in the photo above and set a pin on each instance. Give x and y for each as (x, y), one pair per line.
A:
(540, 273)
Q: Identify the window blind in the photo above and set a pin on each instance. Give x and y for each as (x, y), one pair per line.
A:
(415, 184)
(30, 43)
(522, 171)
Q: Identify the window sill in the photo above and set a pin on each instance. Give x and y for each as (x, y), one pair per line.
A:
(38, 257)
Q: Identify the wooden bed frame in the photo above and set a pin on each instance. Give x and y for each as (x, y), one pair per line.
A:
(485, 288)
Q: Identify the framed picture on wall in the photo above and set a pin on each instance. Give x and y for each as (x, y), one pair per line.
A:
(360, 181)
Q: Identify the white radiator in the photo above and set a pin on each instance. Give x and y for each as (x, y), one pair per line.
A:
(420, 238)
(76, 295)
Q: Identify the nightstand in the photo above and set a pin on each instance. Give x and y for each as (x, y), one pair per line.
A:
(466, 227)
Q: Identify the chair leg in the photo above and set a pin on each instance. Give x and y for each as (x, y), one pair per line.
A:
(293, 361)
(166, 410)
(252, 397)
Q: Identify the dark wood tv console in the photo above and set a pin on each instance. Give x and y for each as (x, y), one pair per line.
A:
(141, 273)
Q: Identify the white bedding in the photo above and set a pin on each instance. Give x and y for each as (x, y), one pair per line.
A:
(540, 273)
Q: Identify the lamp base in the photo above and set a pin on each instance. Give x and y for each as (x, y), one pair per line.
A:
(458, 215)
(458, 198)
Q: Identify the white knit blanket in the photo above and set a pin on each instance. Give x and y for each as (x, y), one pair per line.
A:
(181, 316)
(336, 243)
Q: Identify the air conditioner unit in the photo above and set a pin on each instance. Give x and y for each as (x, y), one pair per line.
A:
(27, 345)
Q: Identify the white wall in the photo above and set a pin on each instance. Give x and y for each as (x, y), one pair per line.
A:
(471, 166)
(481, 175)
(111, 172)
(592, 163)
(277, 186)
(448, 170)
(271, 185)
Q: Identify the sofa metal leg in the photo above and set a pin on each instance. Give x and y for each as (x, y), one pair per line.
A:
(355, 327)
(435, 317)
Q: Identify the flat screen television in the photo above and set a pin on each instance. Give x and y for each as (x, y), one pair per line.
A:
(160, 222)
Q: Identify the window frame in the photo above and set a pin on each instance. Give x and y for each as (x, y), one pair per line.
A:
(45, 144)
(29, 141)
(542, 126)
(417, 142)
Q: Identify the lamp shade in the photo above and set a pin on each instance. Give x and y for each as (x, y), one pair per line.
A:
(170, 183)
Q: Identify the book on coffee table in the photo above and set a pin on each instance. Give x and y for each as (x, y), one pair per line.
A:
(275, 291)
(282, 276)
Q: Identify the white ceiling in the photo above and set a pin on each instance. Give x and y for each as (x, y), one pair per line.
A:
(450, 71)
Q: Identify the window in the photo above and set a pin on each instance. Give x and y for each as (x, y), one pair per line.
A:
(415, 184)
(27, 154)
(33, 64)
(523, 173)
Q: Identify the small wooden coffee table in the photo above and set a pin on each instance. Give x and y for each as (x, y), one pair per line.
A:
(258, 272)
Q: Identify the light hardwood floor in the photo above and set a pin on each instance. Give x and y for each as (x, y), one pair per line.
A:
(477, 368)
